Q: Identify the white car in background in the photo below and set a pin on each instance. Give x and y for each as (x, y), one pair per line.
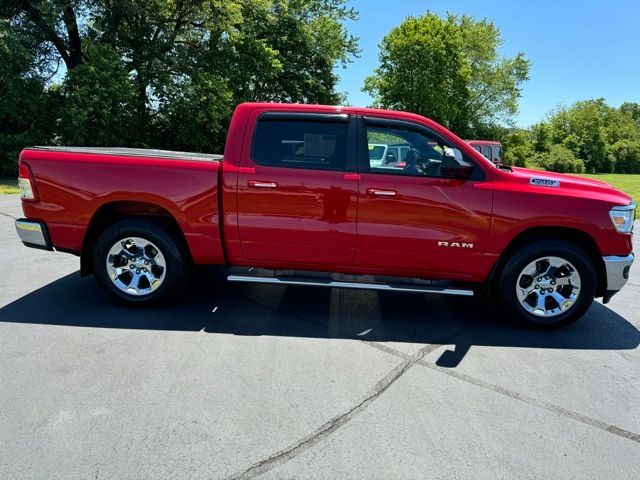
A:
(383, 155)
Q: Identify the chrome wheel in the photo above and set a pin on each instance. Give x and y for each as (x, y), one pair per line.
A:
(136, 266)
(548, 286)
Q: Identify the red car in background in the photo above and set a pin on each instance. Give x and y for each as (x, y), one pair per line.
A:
(490, 149)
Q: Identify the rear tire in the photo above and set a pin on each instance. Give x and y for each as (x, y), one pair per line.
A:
(140, 262)
(546, 284)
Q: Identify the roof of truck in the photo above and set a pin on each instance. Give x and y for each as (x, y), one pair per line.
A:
(333, 109)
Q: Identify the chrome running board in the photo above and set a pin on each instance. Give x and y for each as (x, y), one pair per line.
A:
(342, 284)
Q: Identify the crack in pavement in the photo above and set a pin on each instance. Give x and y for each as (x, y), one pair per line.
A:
(409, 361)
(594, 422)
(8, 216)
(335, 423)
(513, 394)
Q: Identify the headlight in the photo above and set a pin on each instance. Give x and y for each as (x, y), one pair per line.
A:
(623, 217)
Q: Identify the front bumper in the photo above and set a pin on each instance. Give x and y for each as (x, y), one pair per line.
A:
(617, 271)
(33, 234)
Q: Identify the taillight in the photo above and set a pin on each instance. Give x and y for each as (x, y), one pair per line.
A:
(26, 183)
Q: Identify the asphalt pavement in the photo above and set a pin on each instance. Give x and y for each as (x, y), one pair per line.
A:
(244, 381)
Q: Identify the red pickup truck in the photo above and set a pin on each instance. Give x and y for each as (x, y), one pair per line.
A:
(489, 148)
(297, 199)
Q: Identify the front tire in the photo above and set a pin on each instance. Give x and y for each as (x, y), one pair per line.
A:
(140, 262)
(547, 284)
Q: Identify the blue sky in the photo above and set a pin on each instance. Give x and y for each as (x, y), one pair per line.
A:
(579, 49)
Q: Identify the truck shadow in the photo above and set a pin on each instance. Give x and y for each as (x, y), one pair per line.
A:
(212, 305)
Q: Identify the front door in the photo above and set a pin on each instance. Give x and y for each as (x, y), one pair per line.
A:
(412, 220)
(297, 200)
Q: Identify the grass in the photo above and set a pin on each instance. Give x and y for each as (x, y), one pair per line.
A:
(9, 185)
(628, 183)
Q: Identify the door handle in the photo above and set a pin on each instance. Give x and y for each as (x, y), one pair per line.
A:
(376, 192)
(259, 184)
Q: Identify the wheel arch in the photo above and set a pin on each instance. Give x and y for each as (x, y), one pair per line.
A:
(578, 237)
(112, 212)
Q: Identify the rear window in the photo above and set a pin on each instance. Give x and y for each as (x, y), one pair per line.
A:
(300, 144)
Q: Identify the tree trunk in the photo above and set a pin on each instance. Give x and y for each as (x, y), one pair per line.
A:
(71, 52)
(75, 44)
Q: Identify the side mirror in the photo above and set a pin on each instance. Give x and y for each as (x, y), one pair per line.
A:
(453, 168)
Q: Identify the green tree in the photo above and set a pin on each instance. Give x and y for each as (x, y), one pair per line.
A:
(604, 138)
(423, 70)
(449, 69)
(632, 109)
(518, 148)
(191, 62)
(496, 82)
(99, 97)
(541, 137)
(163, 44)
(28, 111)
(625, 156)
(52, 23)
(620, 124)
(518, 156)
(279, 51)
(298, 43)
(582, 128)
(558, 159)
(194, 114)
(168, 73)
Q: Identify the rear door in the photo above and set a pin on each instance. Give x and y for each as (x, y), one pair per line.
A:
(297, 190)
(412, 220)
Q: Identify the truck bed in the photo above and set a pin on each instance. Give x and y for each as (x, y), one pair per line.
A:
(135, 152)
(78, 184)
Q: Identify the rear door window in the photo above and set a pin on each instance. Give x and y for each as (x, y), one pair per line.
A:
(313, 145)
